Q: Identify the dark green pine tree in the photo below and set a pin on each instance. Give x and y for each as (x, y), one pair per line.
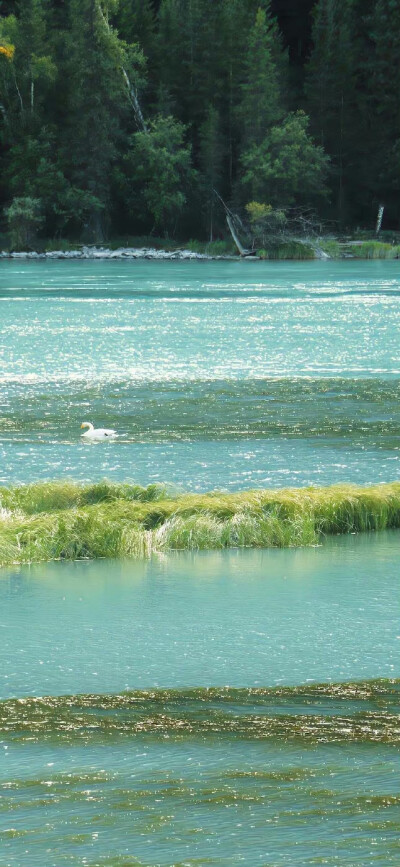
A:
(202, 56)
(280, 164)
(260, 93)
(384, 107)
(97, 100)
(236, 19)
(188, 55)
(170, 41)
(136, 22)
(332, 94)
(210, 159)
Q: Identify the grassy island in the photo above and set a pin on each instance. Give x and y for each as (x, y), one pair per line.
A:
(64, 520)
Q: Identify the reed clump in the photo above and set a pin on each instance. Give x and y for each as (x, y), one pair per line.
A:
(57, 496)
(287, 250)
(376, 250)
(63, 520)
(212, 248)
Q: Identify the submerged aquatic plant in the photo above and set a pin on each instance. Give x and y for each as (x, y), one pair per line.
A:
(64, 520)
(365, 712)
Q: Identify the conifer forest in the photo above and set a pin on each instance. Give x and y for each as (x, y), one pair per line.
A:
(128, 117)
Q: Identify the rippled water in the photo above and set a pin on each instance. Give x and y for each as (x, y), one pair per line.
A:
(200, 779)
(216, 374)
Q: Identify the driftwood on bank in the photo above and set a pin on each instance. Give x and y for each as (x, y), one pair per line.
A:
(231, 218)
(242, 250)
(275, 228)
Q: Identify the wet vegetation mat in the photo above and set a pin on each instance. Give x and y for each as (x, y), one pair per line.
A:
(349, 712)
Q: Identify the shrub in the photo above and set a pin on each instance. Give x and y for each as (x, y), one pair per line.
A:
(24, 221)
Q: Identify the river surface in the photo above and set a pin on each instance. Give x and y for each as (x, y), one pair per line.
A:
(216, 374)
(235, 618)
(148, 765)
(167, 713)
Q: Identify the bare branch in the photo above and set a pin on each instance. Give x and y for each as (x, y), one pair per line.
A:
(18, 91)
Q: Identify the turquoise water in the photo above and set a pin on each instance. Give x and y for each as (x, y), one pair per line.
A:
(216, 374)
(133, 771)
(235, 618)
(153, 786)
(181, 722)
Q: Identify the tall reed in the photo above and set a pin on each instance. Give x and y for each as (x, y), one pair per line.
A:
(63, 520)
(287, 250)
(376, 250)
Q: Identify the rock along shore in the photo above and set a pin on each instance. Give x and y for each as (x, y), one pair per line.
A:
(105, 253)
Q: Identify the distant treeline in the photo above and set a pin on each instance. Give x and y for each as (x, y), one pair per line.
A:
(122, 117)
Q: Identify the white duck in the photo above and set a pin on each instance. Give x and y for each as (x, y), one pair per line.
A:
(99, 433)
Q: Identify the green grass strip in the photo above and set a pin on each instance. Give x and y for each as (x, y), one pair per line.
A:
(64, 520)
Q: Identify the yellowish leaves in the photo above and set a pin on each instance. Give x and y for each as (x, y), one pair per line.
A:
(8, 51)
(258, 211)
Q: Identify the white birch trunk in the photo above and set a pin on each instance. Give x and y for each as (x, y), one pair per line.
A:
(379, 219)
(134, 102)
(133, 97)
(18, 91)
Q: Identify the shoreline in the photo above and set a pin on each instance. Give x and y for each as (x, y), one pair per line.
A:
(68, 521)
(120, 253)
(323, 250)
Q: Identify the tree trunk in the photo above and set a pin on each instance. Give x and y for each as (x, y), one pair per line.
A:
(140, 121)
(235, 237)
(379, 219)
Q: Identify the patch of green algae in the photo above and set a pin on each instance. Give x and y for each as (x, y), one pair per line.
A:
(325, 713)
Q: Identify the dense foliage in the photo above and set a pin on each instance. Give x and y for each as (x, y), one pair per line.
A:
(122, 117)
